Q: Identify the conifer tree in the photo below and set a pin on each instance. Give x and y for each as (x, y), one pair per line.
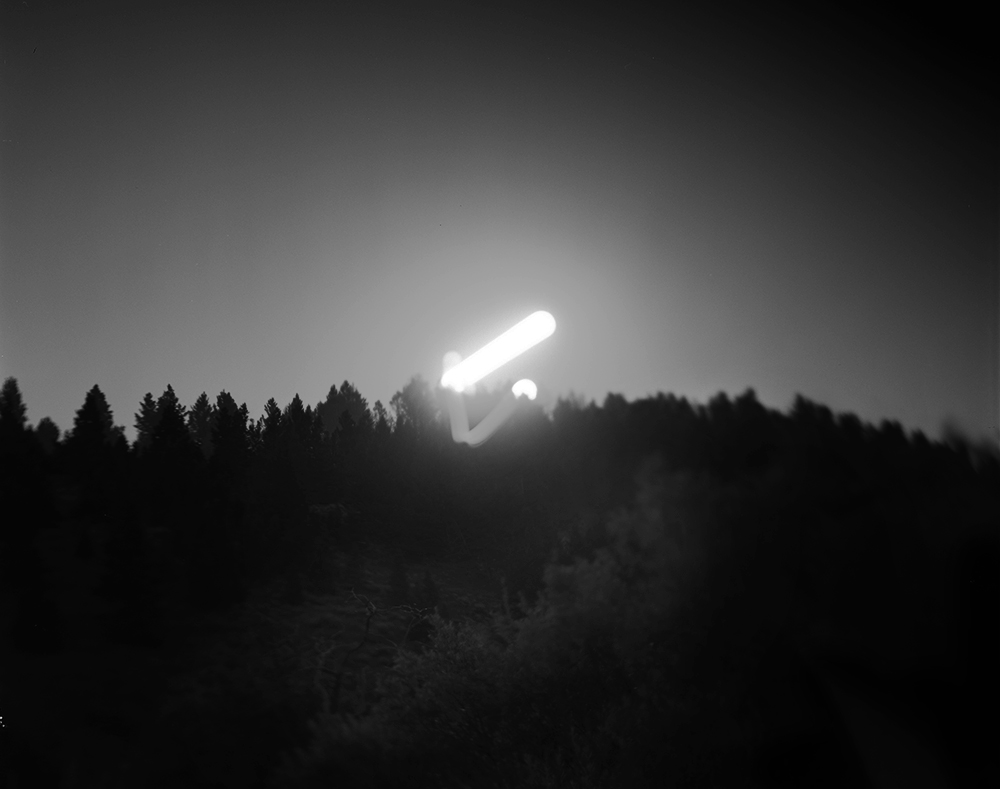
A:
(47, 434)
(17, 527)
(171, 436)
(382, 426)
(255, 429)
(36, 624)
(13, 413)
(145, 423)
(201, 419)
(271, 426)
(347, 399)
(295, 418)
(312, 432)
(230, 438)
(93, 425)
(415, 409)
(346, 426)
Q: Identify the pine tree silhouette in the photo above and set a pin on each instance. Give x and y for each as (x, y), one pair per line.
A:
(145, 423)
(201, 419)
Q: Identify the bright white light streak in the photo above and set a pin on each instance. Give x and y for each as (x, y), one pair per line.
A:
(491, 423)
(512, 343)
(487, 426)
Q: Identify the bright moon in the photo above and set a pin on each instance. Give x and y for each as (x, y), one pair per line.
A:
(525, 387)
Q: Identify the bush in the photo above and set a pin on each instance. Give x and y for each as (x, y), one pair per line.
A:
(659, 657)
(550, 698)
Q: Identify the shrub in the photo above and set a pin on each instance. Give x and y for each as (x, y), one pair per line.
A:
(550, 698)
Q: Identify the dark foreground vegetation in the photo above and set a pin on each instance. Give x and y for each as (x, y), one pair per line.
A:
(653, 593)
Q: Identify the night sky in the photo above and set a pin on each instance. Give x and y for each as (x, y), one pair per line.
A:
(272, 198)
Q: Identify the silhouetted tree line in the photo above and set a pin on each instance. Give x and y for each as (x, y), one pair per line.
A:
(208, 502)
(673, 595)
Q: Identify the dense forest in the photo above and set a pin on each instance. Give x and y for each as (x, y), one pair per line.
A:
(655, 592)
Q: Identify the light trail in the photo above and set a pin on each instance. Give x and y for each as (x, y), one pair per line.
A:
(512, 343)
(460, 374)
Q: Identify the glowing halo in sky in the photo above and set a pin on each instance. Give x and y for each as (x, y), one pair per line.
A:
(512, 343)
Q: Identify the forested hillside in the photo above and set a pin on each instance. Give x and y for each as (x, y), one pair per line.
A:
(637, 593)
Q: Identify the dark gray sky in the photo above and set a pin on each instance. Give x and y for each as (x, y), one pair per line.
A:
(270, 198)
